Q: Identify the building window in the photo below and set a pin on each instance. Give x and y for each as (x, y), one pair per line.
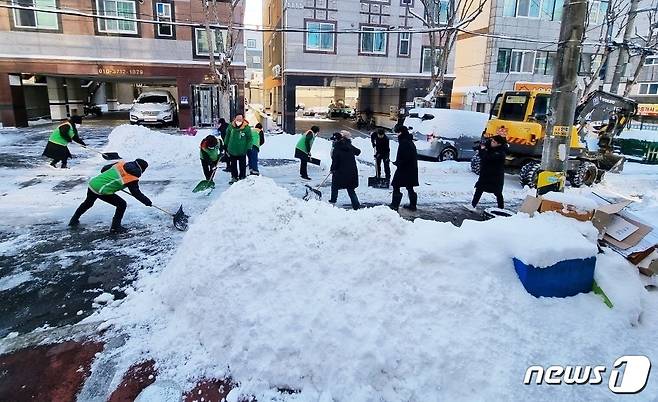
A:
(589, 63)
(649, 88)
(255, 60)
(426, 61)
(404, 46)
(374, 41)
(545, 9)
(320, 36)
(117, 8)
(597, 12)
(522, 61)
(651, 61)
(218, 39)
(35, 19)
(502, 64)
(164, 13)
(251, 43)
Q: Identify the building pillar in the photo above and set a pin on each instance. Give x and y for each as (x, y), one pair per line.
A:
(289, 95)
(111, 96)
(75, 97)
(339, 94)
(56, 98)
(12, 101)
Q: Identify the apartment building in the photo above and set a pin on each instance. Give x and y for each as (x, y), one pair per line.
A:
(389, 69)
(254, 74)
(488, 62)
(52, 63)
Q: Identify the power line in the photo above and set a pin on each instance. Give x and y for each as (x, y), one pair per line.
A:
(78, 13)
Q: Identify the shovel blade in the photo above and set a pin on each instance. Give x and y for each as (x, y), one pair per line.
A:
(181, 220)
(204, 185)
(312, 193)
(111, 156)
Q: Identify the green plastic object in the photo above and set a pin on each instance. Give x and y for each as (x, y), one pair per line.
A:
(598, 291)
(204, 185)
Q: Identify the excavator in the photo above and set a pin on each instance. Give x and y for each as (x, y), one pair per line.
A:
(521, 117)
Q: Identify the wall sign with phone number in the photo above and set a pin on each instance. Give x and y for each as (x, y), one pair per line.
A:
(102, 70)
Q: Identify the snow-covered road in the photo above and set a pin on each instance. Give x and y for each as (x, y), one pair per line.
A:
(52, 276)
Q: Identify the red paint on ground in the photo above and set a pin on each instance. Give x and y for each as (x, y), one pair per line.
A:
(138, 377)
(52, 373)
(210, 391)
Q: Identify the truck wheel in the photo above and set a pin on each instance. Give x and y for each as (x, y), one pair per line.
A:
(475, 164)
(529, 174)
(585, 175)
(448, 154)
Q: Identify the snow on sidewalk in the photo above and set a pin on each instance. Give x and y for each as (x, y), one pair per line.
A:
(364, 306)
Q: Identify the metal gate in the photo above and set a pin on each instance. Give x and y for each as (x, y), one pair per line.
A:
(206, 109)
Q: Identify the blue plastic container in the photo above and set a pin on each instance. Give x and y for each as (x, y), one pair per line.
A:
(564, 279)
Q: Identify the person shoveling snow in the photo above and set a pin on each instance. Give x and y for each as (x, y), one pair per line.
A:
(209, 153)
(57, 147)
(114, 178)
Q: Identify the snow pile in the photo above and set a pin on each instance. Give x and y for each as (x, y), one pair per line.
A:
(449, 123)
(641, 135)
(158, 149)
(581, 202)
(362, 305)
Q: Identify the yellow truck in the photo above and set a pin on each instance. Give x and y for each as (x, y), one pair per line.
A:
(521, 117)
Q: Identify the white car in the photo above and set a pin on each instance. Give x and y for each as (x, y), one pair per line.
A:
(446, 134)
(154, 107)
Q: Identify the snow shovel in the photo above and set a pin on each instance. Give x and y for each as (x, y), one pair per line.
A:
(206, 184)
(314, 192)
(108, 156)
(180, 218)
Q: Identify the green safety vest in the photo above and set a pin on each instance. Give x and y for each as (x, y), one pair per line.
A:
(112, 180)
(301, 144)
(212, 153)
(59, 138)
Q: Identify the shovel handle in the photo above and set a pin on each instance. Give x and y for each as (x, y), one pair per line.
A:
(153, 205)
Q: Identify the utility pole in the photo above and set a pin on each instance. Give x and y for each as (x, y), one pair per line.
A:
(622, 58)
(555, 154)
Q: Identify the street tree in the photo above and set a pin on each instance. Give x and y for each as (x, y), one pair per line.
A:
(223, 45)
(444, 21)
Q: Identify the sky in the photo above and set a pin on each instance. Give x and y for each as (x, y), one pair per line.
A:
(253, 14)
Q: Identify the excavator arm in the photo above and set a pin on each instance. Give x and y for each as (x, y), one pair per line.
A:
(612, 111)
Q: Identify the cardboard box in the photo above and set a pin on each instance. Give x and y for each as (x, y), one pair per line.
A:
(649, 265)
(621, 231)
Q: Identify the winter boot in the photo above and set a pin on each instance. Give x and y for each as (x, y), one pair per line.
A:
(395, 203)
(413, 199)
(233, 180)
(117, 228)
(74, 222)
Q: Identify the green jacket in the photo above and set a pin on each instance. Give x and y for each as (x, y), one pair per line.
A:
(238, 139)
(63, 134)
(114, 179)
(306, 142)
(255, 138)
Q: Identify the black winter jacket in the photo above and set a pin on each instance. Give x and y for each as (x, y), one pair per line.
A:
(381, 145)
(492, 169)
(406, 174)
(343, 165)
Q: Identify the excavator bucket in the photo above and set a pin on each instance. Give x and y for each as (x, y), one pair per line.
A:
(612, 163)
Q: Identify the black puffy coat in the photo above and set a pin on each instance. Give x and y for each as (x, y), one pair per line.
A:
(406, 174)
(343, 165)
(492, 169)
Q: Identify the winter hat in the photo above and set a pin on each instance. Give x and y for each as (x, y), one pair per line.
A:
(142, 164)
(336, 137)
(345, 134)
(499, 139)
